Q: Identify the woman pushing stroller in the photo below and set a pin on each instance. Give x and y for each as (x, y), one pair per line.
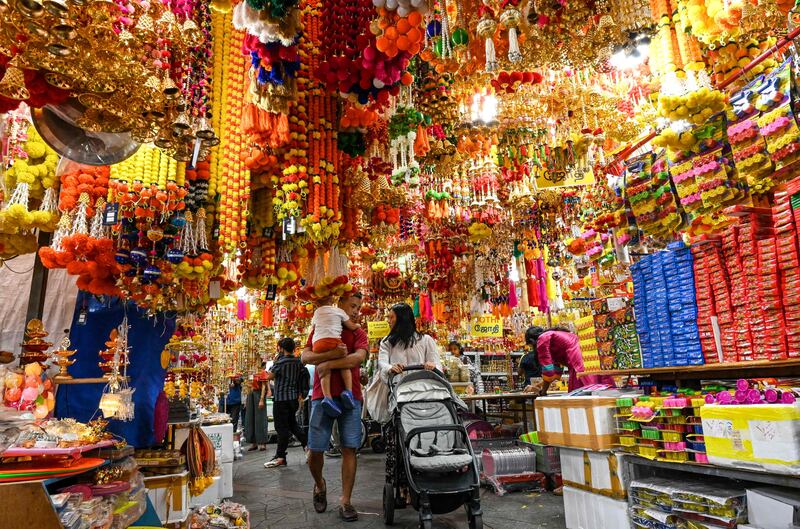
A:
(429, 461)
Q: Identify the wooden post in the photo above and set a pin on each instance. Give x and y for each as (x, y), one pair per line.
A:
(38, 282)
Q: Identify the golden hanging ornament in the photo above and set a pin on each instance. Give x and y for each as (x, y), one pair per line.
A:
(12, 85)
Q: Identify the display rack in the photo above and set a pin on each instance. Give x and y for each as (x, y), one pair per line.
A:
(512, 357)
(752, 369)
(635, 467)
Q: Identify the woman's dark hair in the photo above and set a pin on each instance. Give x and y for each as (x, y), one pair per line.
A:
(405, 328)
(287, 344)
(532, 335)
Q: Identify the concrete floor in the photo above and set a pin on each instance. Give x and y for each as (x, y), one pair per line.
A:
(280, 498)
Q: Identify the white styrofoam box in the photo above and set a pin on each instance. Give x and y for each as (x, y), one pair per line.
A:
(605, 471)
(572, 468)
(773, 507)
(585, 510)
(226, 485)
(580, 422)
(210, 495)
(169, 496)
(221, 436)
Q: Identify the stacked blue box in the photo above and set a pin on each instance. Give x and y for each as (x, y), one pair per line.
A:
(666, 308)
(640, 312)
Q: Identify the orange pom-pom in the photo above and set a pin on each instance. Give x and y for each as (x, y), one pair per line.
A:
(382, 43)
(403, 26)
(403, 43)
(407, 78)
(415, 18)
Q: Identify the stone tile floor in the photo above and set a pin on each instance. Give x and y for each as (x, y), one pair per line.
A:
(280, 498)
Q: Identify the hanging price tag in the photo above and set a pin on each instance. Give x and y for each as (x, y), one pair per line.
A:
(272, 292)
(111, 214)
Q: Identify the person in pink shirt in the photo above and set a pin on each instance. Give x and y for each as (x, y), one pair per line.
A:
(556, 349)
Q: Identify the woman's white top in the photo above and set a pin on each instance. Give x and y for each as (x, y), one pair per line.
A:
(424, 350)
(327, 322)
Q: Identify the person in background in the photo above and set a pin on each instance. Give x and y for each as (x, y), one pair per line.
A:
(405, 345)
(349, 422)
(290, 388)
(457, 350)
(529, 369)
(556, 349)
(232, 403)
(255, 423)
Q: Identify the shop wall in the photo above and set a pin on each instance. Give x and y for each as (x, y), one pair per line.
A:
(15, 287)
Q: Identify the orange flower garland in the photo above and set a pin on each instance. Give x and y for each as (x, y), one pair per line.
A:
(232, 177)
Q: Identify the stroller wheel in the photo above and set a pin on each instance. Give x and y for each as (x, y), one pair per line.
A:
(476, 522)
(475, 519)
(378, 445)
(388, 503)
(427, 524)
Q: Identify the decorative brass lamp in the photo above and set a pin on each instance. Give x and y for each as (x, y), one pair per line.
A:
(63, 353)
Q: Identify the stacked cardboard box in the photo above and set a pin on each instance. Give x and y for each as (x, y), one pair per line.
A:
(712, 288)
(786, 215)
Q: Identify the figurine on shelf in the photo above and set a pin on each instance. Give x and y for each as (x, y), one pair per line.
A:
(63, 361)
(34, 345)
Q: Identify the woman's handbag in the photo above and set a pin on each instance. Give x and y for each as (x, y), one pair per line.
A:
(376, 397)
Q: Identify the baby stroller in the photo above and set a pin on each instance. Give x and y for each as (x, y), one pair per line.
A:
(429, 460)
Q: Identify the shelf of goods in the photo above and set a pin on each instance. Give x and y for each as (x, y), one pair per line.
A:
(756, 368)
(46, 501)
(496, 364)
(745, 437)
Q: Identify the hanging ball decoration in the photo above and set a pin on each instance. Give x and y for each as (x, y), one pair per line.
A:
(122, 256)
(174, 256)
(434, 28)
(438, 48)
(151, 273)
(138, 256)
(459, 37)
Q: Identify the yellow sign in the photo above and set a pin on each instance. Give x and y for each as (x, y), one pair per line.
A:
(546, 178)
(487, 326)
(377, 329)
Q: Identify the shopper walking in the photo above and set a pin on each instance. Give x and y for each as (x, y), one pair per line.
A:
(232, 403)
(349, 422)
(554, 350)
(291, 387)
(255, 418)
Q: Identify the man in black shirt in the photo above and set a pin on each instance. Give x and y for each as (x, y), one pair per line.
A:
(291, 386)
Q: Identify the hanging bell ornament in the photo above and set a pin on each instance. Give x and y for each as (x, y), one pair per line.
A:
(12, 85)
(191, 33)
(203, 128)
(169, 88)
(181, 124)
(63, 29)
(164, 140)
(145, 28)
(30, 8)
(57, 8)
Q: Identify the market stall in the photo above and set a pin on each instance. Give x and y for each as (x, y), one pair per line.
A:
(591, 207)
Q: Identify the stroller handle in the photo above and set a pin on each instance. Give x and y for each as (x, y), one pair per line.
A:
(410, 367)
